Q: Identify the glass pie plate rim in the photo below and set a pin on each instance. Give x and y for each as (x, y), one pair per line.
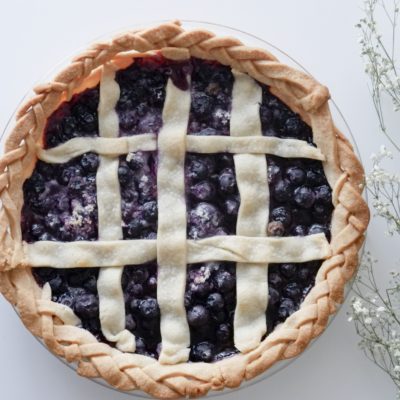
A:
(248, 39)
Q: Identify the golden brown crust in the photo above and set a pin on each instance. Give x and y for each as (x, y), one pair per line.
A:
(127, 371)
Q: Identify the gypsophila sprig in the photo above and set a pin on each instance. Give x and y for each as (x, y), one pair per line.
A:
(377, 319)
(379, 55)
(376, 313)
(385, 190)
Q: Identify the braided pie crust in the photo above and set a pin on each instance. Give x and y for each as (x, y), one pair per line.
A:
(169, 377)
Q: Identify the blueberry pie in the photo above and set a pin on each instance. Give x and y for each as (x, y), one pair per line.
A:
(178, 212)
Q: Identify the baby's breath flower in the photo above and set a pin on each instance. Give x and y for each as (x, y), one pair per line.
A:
(375, 312)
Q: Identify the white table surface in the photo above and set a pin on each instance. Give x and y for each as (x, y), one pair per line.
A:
(36, 35)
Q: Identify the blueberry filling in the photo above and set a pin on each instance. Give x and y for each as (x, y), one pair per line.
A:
(211, 92)
(288, 285)
(139, 283)
(60, 201)
(60, 204)
(75, 118)
(137, 174)
(300, 197)
(212, 195)
(278, 120)
(210, 301)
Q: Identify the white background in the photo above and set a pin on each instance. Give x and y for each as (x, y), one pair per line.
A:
(36, 35)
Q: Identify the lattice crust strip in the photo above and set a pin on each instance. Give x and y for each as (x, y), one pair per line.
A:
(127, 371)
(111, 297)
(250, 323)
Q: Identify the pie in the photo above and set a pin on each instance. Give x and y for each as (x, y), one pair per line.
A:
(179, 212)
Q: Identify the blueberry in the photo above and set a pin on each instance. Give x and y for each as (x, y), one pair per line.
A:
(282, 191)
(152, 284)
(69, 173)
(288, 270)
(188, 298)
(204, 218)
(227, 181)
(275, 228)
(135, 305)
(134, 289)
(200, 289)
(215, 302)
(47, 237)
(63, 202)
(224, 333)
(130, 323)
(57, 284)
(150, 210)
(292, 291)
(89, 162)
(296, 175)
(87, 306)
(139, 274)
(129, 194)
(299, 230)
(203, 351)
(231, 207)
(317, 228)
(273, 297)
(90, 284)
(66, 299)
(196, 169)
(124, 174)
(202, 104)
(266, 116)
(76, 184)
(304, 197)
(136, 160)
(207, 132)
(323, 194)
(149, 308)
(274, 174)
(225, 160)
(37, 230)
(282, 214)
(286, 308)
(275, 280)
(134, 229)
(198, 316)
(140, 345)
(304, 274)
(128, 120)
(69, 125)
(52, 221)
(293, 127)
(225, 281)
(315, 177)
(203, 191)
(225, 354)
